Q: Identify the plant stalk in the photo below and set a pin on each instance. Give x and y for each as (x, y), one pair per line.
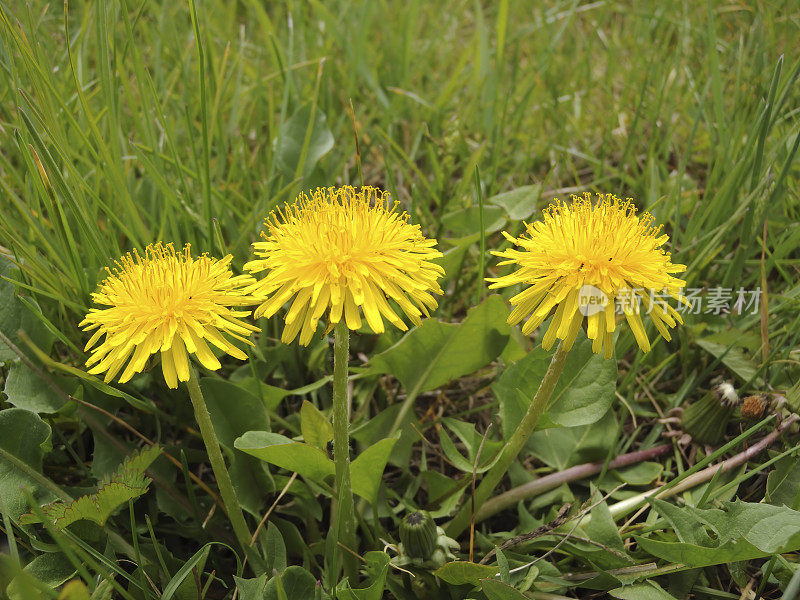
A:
(228, 494)
(553, 480)
(518, 440)
(341, 450)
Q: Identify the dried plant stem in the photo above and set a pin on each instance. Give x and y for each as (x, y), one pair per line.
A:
(553, 480)
(514, 445)
(630, 504)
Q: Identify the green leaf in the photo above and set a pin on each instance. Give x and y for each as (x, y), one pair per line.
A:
(26, 389)
(251, 589)
(125, 484)
(295, 582)
(641, 474)
(453, 259)
(279, 450)
(583, 394)
(434, 353)
(564, 447)
(519, 203)
(15, 316)
(52, 569)
(742, 531)
(648, 590)
(602, 529)
(472, 440)
(783, 483)
(733, 358)
(497, 590)
(467, 221)
(315, 427)
(275, 549)
(377, 568)
(26, 437)
(378, 428)
(291, 137)
(273, 395)
(197, 561)
(234, 410)
(461, 572)
(74, 590)
(366, 471)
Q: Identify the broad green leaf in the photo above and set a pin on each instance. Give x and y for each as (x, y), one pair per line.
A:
(251, 589)
(378, 428)
(783, 483)
(602, 529)
(74, 590)
(564, 447)
(52, 569)
(279, 450)
(497, 590)
(693, 555)
(366, 471)
(234, 410)
(641, 474)
(467, 221)
(461, 572)
(125, 484)
(315, 427)
(273, 395)
(26, 389)
(453, 259)
(733, 358)
(295, 582)
(648, 590)
(291, 137)
(434, 353)
(519, 203)
(742, 531)
(583, 394)
(27, 438)
(771, 529)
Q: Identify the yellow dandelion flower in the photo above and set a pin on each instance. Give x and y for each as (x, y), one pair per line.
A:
(592, 259)
(344, 251)
(167, 302)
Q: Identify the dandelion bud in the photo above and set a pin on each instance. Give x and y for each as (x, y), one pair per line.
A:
(418, 534)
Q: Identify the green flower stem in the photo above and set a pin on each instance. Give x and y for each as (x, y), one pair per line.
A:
(518, 440)
(341, 449)
(224, 482)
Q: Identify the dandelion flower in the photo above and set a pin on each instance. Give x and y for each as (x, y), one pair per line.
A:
(343, 251)
(592, 259)
(167, 302)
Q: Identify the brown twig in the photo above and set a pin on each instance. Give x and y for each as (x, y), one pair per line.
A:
(553, 480)
(560, 519)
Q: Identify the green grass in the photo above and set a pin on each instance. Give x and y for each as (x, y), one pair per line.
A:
(126, 123)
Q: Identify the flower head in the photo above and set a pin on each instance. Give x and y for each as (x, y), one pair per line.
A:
(343, 251)
(592, 259)
(167, 302)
